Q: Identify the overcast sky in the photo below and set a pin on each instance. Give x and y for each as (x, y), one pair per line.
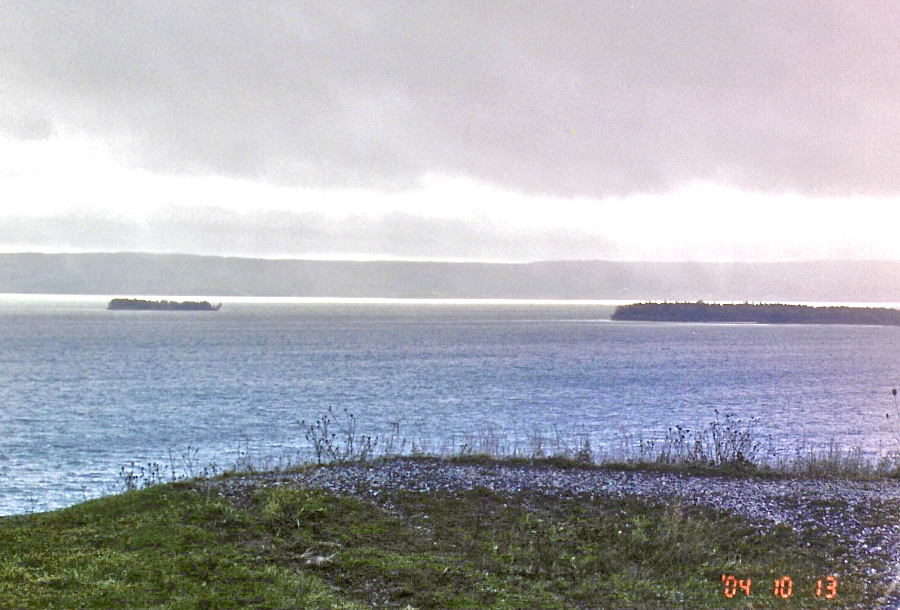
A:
(506, 131)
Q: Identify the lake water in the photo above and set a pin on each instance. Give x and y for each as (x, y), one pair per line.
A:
(85, 391)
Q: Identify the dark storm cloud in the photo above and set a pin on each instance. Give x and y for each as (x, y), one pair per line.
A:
(572, 98)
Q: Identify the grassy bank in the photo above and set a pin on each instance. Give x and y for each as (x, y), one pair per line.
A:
(185, 545)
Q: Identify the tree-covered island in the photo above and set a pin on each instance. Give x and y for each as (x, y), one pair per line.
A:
(143, 305)
(763, 313)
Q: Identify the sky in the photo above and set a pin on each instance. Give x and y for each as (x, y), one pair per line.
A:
(496, 131)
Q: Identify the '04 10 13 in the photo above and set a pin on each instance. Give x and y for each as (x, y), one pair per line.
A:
(825, 588)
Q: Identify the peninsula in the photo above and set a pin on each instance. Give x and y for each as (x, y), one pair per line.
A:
(142, 305)
(764, 313)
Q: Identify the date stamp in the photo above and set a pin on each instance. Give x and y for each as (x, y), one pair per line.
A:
(825, 588)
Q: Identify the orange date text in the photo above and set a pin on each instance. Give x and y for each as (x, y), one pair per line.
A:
(783, 587)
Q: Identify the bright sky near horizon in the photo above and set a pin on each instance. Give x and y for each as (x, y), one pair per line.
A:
(506, 131)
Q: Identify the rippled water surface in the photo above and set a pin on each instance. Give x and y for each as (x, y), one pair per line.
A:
(85, 391)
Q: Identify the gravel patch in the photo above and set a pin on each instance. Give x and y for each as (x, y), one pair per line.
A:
(840, 507)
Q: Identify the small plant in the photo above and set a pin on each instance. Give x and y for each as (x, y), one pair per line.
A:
(488, 442)
(723, 442)
(334, 441)
(733, 441)
(189, 460)
(394, 443)
(897, 412)
(585, 454)
(140, 477)
(536, 442)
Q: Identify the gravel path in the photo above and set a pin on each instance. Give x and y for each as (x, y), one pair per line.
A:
(843, 508)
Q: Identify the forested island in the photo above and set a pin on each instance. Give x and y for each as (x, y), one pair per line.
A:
(764, 313)
(143, 305)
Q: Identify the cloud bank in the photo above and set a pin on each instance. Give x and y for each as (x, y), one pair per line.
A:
(641, 229)
(571, 99)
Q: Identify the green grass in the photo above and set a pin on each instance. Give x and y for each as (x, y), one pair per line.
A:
(164, 547)
(179, 546)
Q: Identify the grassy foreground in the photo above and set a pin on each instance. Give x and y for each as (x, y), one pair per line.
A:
(180, 545)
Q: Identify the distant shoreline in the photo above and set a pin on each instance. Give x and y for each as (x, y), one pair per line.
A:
(10, 297)
(164, 275)
(764, 313)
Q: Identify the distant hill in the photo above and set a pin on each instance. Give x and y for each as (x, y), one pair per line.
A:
(132, 274)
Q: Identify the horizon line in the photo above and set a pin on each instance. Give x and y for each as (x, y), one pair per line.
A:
(388, 259)
(275, 300)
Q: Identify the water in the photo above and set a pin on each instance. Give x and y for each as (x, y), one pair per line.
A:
(85, 391)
